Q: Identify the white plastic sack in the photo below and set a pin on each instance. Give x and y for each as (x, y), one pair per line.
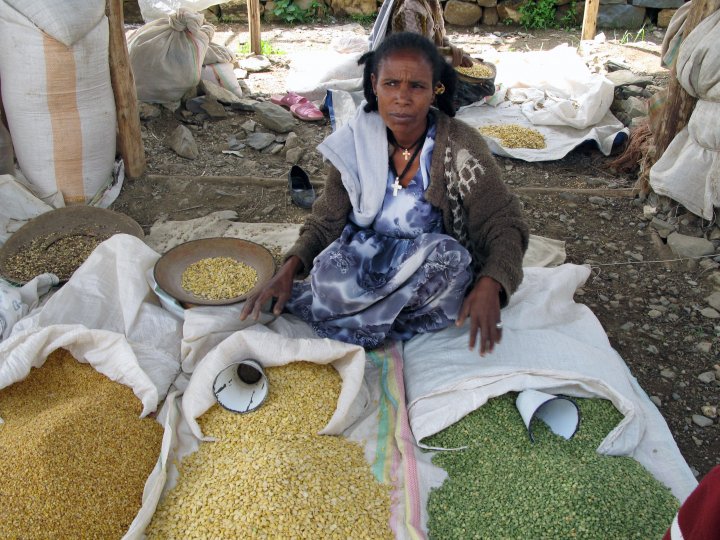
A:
(550, 344)
(673, 36)
(59, 103)
(67, 21)
(159, 9)
(698, 63)
(17, 302)
(568, 93)
(313, 73)
(272, 349)
(216, 53)
(106, 314)
(689, 169)
(166, 56)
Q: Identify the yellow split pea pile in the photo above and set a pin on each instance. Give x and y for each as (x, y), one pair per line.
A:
(269, 475)
(74, 454)
(515, 136)
(477, 71)
(219, 278)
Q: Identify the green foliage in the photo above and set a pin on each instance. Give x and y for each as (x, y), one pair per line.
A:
(266, 48)
(628, 37)
(363, 19)
(570, 19)
(538, 14)
(291, 13)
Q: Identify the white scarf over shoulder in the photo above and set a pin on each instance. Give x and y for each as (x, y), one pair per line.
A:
(359, 150)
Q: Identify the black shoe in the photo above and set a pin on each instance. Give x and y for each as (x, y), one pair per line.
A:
(301, 190)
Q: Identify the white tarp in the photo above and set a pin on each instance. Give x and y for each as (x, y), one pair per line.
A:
(550, 344)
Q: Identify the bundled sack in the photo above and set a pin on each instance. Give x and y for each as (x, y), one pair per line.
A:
(57, 95)
(167, 54)
(689, 169)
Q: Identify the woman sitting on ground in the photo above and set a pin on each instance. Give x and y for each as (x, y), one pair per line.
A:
(415, 229)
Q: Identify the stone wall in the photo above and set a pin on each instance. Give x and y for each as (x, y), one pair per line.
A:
(622, 14)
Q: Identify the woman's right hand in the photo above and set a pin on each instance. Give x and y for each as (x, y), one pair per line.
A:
(279, 287)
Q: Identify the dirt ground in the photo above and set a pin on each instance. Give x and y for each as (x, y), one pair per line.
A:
(650, 309)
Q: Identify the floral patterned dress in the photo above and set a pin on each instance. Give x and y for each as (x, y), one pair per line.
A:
(400, 277)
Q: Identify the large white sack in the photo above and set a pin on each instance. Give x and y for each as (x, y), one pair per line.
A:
(67, 21)
(167, 55)
(689, 170)
(698, 63)
(568, 94)
(108, 311)
(60, 107)
(550, 344)
(159, 9)
(273, 349)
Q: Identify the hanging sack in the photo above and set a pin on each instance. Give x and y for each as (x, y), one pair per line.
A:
(167, 54)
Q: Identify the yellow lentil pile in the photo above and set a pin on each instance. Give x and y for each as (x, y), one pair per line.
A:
(219, 278)
(477, 71)
(74, 454)
(515, 136)
(269, 475)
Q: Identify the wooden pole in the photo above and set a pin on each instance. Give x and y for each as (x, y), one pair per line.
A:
(589, 24)
(253, 7)
(130, 142)
(679, 105)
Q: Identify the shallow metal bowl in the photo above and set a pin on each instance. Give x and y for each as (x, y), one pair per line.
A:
(61, 223)
(170, 267)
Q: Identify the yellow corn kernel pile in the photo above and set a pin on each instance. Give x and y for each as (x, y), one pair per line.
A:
(515, 136)
(74, 454)
(477, 71)
(218, 278)
(269, 475)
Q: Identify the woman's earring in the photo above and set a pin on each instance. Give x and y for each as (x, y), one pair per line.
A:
(439, 89)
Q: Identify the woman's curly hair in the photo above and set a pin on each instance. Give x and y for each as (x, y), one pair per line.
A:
(409, 41)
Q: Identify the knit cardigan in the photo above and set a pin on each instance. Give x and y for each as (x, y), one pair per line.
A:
(466, 185)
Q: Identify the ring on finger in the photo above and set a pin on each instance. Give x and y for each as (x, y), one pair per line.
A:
(499, 325)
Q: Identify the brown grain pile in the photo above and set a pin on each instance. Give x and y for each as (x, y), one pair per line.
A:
(74, 454)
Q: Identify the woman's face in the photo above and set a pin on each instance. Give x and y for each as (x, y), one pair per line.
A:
(404, 91)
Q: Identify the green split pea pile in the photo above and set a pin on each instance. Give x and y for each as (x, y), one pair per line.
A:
(504, 486)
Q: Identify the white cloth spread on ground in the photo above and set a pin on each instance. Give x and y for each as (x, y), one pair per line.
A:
(550, 344)
(107, 315)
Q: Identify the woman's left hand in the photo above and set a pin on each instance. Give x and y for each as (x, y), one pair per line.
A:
(482, 305)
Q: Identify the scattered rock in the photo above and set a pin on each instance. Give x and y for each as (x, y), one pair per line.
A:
(667, 373)
(255, 64)
(148, 111)
(707, 377)
(183, 143)
(219, 93)
(244, 104)
(704, 346)
(709, 410)
(259, 141)
(656, 400)
(274, 117)
(714, 300)
(710, 313)
(689, 246)
(702, 421)
(293, 155)
(214, 109)
(625, 77)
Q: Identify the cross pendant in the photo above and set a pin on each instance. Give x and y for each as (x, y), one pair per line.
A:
(406, 153)
(396, 187)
